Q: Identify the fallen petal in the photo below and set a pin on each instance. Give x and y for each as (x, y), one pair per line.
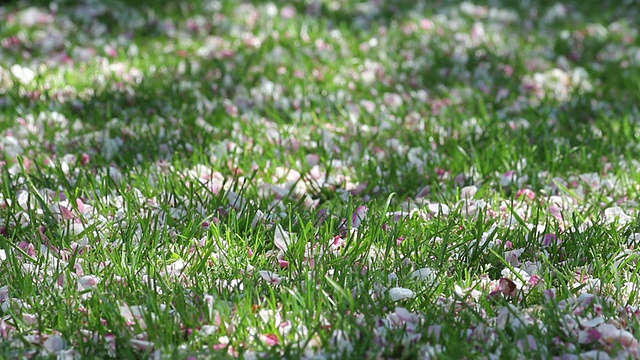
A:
(398, 293)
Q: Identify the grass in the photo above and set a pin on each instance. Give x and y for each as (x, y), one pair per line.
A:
(330, 179)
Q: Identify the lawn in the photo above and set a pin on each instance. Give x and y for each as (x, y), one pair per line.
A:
(319, 179)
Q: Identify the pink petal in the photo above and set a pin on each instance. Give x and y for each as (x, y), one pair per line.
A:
(270, 277)
(66, 213)
(612, 335)
(406, 315)
(87, 282)
(358, 216)
(270, 339)
(80, 205)
(507, 287)
(525, 194)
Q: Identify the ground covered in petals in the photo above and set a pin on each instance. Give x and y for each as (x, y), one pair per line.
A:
(319, 179)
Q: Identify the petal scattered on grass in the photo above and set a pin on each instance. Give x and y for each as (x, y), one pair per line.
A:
(398, 293)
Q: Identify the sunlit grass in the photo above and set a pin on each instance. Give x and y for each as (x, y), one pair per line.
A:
(348, 180)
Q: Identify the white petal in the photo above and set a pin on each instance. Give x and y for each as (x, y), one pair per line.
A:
(592, 322)
(424, 274)
(282, 239)
(23, 74)
(398, 293)
(468, 192)
(594, 354)
(54, 344)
